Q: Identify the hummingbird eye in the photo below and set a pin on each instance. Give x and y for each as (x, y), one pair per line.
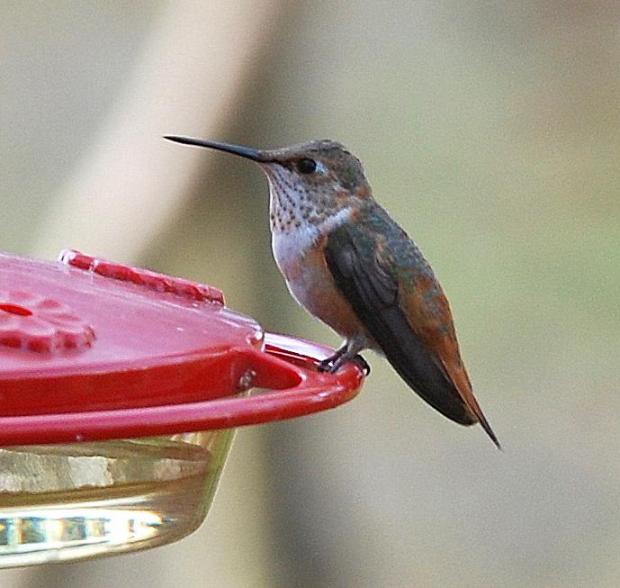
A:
(306, 166)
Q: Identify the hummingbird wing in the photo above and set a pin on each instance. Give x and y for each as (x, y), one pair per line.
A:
(394, 293)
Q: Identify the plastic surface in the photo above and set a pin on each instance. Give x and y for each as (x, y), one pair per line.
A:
(92, 350)
(120, 389)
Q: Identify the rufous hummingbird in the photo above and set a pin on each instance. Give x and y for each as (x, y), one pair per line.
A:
(349, 264)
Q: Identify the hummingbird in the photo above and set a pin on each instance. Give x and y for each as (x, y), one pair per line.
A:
(348, 263)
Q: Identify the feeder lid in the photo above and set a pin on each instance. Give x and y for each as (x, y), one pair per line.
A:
(91, 349)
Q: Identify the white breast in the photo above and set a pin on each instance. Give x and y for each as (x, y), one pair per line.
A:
(291, 245)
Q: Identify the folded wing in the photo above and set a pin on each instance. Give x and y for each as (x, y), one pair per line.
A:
(411, 323)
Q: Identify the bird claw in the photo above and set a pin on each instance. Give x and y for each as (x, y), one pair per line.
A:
(362, 364)
(327, 365)
(333, 363)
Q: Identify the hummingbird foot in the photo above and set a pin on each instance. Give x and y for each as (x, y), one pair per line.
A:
(343, 355)
(333, 362)
(362, 363)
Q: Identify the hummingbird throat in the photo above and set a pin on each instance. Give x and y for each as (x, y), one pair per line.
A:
(296, 206)
(298, 219)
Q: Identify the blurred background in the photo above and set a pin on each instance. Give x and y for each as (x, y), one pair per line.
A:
(490, 130)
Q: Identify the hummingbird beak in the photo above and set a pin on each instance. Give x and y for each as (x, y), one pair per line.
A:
(247, 152)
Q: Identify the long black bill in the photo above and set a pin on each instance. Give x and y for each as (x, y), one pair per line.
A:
(247, 152)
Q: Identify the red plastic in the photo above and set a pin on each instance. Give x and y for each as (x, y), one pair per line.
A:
(142, 277)
(35, 323)
(161, 355)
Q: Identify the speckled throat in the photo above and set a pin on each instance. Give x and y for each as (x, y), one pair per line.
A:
(297, 202)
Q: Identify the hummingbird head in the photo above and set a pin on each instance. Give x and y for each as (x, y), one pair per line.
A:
(308, 182)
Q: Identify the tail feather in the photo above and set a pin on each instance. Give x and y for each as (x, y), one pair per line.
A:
(431, 381)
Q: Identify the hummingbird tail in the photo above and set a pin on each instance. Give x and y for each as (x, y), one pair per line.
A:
(486, 426)
(460, 381)
(428, 378)
(429, 381)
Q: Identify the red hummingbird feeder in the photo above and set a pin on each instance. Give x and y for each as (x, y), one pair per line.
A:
(120, 391)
